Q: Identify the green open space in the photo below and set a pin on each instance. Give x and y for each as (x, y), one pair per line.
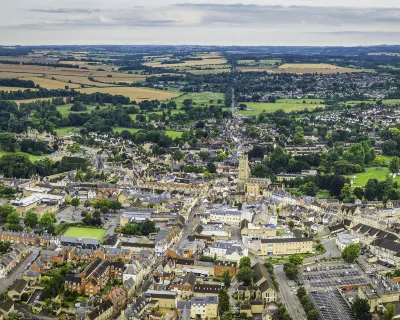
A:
(65, 131)
(384, 101)
(200, 98)
(286, 105)
(31, 156)
(64, 109)
(120, 129)
(91, 233)
(379, 173)
(174, 134)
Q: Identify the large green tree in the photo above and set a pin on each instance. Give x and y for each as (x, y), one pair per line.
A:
(47, 221)
(394, 165)
(227, 278)
(13, 218)
(245, 275)
(31, 219)
(223, 302)
(390, 312)
(360, 308)
(245, 262)
(351, 252)
(6, 210)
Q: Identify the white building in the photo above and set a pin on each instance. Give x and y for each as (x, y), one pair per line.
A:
(344, 239)
(227, 250)
(232, 216)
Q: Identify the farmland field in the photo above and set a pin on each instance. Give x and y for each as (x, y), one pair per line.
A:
(48, 83)
(83, 79)
(90, 233)
(120, 77)
(134, 93)
(209, 71)
(270, 69)
(31, 100)
(202, 98)
(187, 63)
(316, 68)
(285, 104)
(16, 89)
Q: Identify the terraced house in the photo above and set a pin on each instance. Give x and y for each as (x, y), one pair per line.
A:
(95, 277)
(285, 246)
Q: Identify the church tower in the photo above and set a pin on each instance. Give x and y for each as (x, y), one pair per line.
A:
(244, 172)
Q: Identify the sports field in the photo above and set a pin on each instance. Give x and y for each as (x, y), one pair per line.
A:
(362, 178)
(286, 105)
(90, 233)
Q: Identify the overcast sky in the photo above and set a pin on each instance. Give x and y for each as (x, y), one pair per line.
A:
(216, 22)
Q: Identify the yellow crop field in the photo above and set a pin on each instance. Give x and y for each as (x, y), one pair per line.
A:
(187, 63)
(32, 100)
(40, 70)
(10, 75)
(120, 77)
(316, 68)
(48, 83)
(134, 93)
(255, 69)
(15, 89)
(80, 80)
(209, 71)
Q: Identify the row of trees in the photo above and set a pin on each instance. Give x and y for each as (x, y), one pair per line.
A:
(18, 165)
(141, 228)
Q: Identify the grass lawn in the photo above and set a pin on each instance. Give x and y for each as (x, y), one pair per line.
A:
(200, 98)
(31, 156)
(64, 109)
(324, 194)
(285, 104)
(91, 233)
(64, 131)
(174, 134)
(120, 129)
(370, 173)
(385, 101)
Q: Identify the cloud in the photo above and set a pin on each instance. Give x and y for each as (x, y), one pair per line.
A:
(65, 10)
(162, 21)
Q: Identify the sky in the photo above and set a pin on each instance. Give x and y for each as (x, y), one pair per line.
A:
(202, 22)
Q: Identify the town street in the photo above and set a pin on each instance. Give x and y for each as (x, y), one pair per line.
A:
(19, 270)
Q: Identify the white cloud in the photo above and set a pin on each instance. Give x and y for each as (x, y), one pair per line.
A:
(224, 22)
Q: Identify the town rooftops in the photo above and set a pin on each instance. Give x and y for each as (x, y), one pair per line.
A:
(79, 241)
(207, 288)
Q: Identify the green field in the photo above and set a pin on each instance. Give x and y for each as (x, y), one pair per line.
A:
(200, 98)
(285, 104)
(65, 131)
(31, 156)
(91, 233)
(64, 109)
(120, 129)
(370, 173)
(385, 101)
(174, 134)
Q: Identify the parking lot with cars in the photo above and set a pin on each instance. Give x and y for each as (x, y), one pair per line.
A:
(331, 305)
(328, 283)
